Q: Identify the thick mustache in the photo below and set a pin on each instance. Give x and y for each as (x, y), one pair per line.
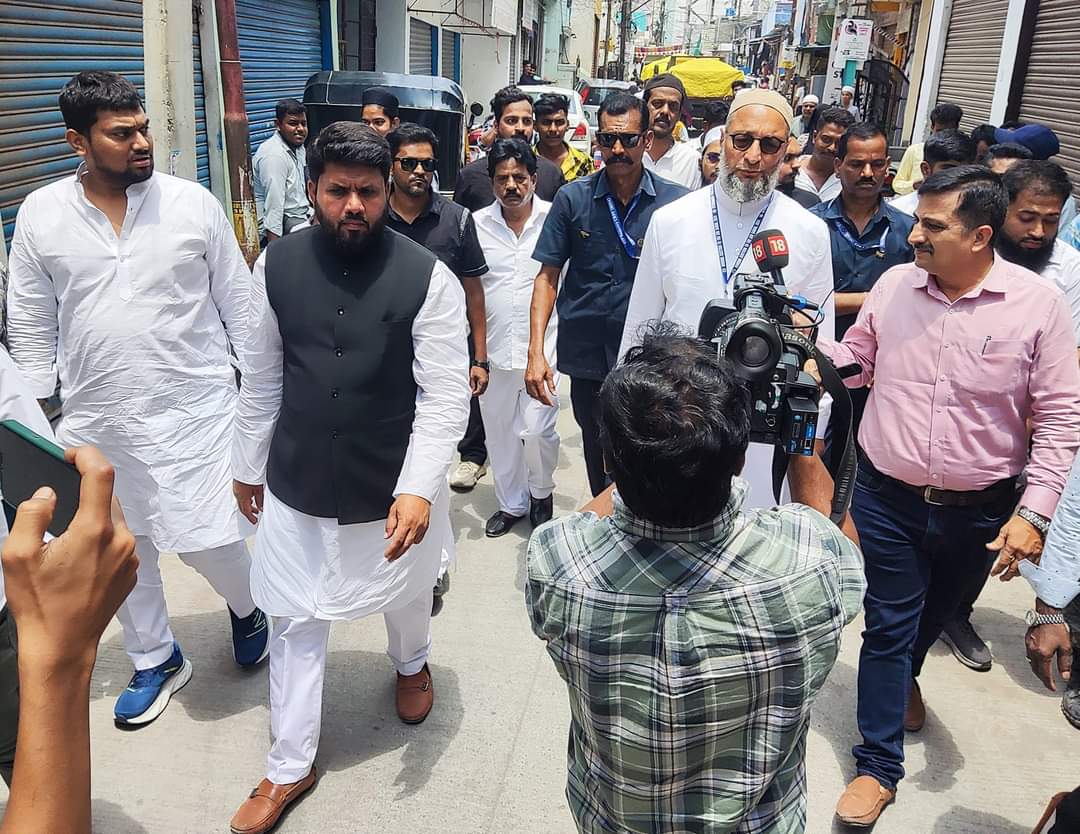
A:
(619, 159)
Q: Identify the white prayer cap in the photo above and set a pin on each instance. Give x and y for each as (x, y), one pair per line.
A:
(765, 98)
(848, 89)
(809, 98)
(714, 135)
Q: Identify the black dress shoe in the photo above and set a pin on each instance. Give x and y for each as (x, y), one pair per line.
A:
(540, 510)
(500, 524)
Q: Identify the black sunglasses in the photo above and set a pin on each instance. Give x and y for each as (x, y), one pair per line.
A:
(713, 157)
(608, 140)
(769, 144)
(409, 163)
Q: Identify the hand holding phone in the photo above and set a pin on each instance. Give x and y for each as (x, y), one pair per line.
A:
(28, 462)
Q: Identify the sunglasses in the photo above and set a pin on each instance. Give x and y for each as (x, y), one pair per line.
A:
(409, 163)
(769, 144)
(628, 140)
(713, 157)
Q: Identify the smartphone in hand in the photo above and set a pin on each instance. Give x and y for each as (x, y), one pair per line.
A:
(28, 462)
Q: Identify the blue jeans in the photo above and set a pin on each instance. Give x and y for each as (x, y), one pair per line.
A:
(905, 543)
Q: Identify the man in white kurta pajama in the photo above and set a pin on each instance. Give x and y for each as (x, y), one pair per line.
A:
(355, 392)
(137, 321)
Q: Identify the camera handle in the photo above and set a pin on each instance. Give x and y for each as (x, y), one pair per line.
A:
(843, 461)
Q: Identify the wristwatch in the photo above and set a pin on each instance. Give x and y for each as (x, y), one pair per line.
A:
(1033, 619)
(476, 363)
(1036, 520)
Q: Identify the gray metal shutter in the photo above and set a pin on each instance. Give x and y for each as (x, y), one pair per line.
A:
(972, 51)
(1054, 66)
(421, 42)
(449, 55)
(280, 49)
(202, 141)
(42, 45)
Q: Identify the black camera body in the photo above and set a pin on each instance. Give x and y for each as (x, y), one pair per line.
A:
(767, 354)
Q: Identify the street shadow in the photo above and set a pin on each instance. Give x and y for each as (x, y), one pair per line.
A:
(1006, 633)
(110, 818)
(360, 721)
(959, 820)
(469, 511)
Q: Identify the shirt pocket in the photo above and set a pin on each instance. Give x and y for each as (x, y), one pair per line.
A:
(987, 369)
(595, 252)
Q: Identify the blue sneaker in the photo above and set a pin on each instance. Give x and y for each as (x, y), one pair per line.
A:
(150, 690)
(250, 638)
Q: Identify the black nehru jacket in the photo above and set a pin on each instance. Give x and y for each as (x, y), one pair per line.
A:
(349, 395)
(474, 191)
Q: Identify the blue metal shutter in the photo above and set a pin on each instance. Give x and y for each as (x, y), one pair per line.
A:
(202, 140)
(280, 49)
(42, 45)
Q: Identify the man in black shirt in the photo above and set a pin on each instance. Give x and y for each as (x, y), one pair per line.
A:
(513, 111)
(788, 169)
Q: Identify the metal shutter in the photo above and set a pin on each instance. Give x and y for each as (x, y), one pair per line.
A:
(421, 47)
(450, 55)
(972, 52)
(202, 142)
(1054, 64)
(42, 45)
(280, 49)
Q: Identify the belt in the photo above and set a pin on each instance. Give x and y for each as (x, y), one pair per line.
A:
(951, 497)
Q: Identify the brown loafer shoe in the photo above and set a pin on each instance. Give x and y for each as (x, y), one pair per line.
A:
(915, 714)
(262, 810)
(415, 696)
(863, 801)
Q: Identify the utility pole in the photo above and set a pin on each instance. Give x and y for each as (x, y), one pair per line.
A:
(624, 36)
(686, 27)
(607, 40)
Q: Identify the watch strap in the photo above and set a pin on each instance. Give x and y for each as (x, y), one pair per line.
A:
(1036, 520)
(1034, 620)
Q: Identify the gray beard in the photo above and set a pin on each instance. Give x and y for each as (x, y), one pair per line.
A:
(746, 192)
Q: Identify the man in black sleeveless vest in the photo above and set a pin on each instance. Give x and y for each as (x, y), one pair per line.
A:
(355, 391)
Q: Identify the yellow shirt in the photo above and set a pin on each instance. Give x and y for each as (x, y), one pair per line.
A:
(909, 174)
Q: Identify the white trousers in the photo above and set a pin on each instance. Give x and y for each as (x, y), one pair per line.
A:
(522, 443)
(144, 615)
(297, 669)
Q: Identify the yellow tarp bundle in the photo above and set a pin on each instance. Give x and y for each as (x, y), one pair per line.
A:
(702, 77)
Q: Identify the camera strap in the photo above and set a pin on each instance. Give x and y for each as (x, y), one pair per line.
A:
(862, 248)
(628, 243)
(718, 231)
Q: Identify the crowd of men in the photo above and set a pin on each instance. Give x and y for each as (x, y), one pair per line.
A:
(386, 329)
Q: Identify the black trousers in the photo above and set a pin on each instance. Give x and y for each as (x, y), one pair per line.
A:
(471, 447)
(9, 694)
(584, 399)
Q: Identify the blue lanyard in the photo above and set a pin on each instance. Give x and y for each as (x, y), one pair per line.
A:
(862, 248)
(629, 244)
(720, 237)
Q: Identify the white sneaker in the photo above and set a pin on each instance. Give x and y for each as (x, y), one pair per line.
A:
(466, 475)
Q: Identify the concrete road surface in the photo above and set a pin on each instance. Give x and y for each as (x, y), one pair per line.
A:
(491, 757)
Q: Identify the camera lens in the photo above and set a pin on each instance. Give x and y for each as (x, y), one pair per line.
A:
(755, 351)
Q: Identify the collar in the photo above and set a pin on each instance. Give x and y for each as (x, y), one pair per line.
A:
(284, 144)
(134, 191)
(434, 206)
(602, 189)
(835, 211)
(497, 217)
(726, 205)
(717, 530)
(996, 280)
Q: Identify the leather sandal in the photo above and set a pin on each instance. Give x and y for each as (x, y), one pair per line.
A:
(267, 802)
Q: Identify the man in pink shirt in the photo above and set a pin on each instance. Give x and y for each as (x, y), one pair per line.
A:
(963, 349)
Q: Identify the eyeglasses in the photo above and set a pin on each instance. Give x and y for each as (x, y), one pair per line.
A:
(769, 144)
(608, 140)
(713, 157)
(409, 163)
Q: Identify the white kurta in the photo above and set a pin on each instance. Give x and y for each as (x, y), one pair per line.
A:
(138, 327)
(305, 566)
(1064, 270)
(681, 165)
(679, 273)
(829, 189)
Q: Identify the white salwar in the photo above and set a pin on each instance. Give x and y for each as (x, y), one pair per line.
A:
(522, 442)
(138, 327)
(679, 273)
(308, 571)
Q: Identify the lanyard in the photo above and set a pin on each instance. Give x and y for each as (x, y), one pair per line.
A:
(862, 248)
(620, 229)
(720, 238)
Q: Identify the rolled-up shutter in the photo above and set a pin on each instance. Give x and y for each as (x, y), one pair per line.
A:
(42, 45)
(421, 47)
(280, 49)
(202, 141)
(972, 51)
(1054, 64)
(450, 55)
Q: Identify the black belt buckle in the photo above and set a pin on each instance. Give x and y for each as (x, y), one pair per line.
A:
(928, 496)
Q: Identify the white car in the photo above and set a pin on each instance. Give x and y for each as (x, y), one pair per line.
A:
(580, 134)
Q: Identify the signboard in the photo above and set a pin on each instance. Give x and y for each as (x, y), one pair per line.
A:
(783, 14)
(853, 41)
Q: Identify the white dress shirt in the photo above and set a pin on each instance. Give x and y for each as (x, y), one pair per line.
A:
(138, 326)
(679, 273)
(906, 203)
(508, 285)
(1064, 270)
(681, 164)
(316, 567)
(280, 184)
(1056, 579)
(831, 187)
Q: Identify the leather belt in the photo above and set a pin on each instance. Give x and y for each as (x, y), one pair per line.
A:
(950, 497)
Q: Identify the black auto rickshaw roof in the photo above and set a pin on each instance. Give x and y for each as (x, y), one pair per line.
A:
(416, 92)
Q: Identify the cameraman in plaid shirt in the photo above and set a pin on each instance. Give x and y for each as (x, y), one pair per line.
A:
(693, 635)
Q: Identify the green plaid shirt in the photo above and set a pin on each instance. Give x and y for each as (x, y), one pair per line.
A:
(692, 657)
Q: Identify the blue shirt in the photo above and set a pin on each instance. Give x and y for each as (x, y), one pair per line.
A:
(595, 291)
(883, 244)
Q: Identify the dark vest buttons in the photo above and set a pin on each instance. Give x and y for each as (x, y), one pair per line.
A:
(333, 435)
(339, 352)
(341, 311)
(334, 393)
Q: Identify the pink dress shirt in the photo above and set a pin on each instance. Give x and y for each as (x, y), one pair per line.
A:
(954, 383)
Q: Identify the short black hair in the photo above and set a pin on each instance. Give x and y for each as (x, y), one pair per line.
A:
(946, 115)
(674, 427)
(862, 131)
(618, 103)
(1039, 175)
(348, 143)
(1008, 150)
(549, 104)
(514, 148)
(91, 91)
(833, 116)
(715, 112)
(505, 97)
(410, 133)
(949, 145)
(984, 133)
(288, 107)
(983, 200)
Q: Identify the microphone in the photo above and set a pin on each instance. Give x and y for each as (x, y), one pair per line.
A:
(771, 252)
